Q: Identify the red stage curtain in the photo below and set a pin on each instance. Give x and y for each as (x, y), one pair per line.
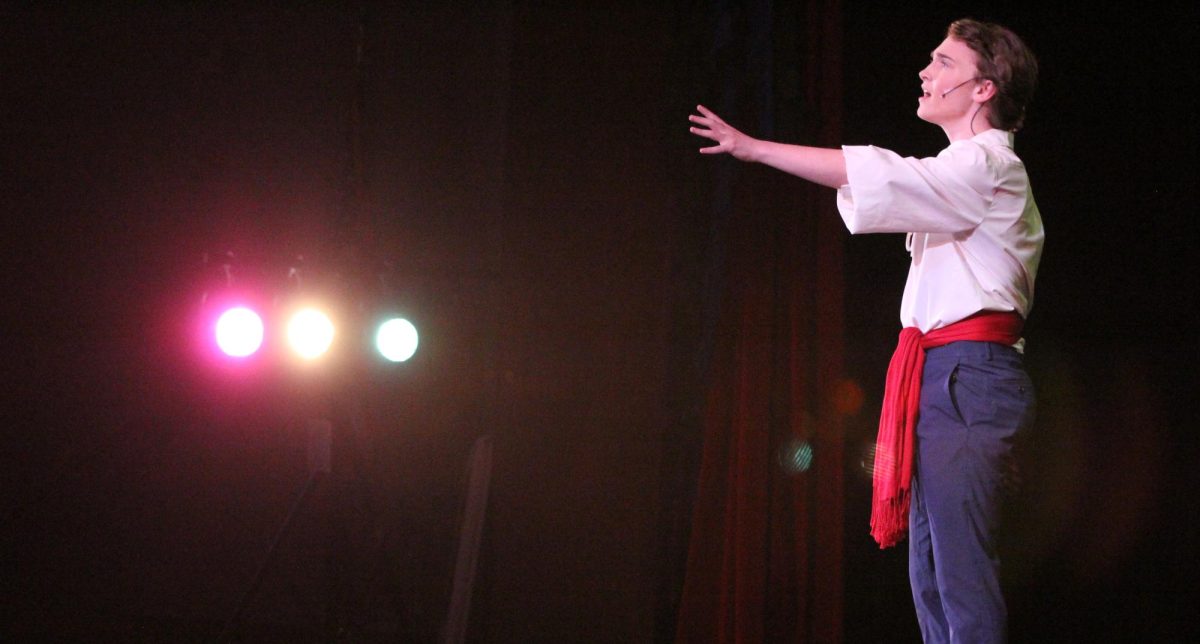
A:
(765, 550)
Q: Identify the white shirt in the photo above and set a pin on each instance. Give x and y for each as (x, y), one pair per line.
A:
(975, 234)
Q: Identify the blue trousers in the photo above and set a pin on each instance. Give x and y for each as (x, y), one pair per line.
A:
(975, 399)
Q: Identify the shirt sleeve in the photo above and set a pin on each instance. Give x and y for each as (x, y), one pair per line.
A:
(886, 193)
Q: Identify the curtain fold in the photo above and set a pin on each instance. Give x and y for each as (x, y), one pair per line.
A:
(765, 547)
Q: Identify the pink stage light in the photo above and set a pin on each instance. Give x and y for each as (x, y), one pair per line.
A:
(239, 332)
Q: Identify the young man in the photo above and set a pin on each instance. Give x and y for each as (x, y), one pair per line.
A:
(957, 393)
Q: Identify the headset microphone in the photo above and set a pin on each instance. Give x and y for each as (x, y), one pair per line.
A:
(958, 86)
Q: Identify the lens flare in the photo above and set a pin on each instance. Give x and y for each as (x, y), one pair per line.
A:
(796, 457)
(396, 340)
(239, 332)
(875, 456)
(848, 397)
(310, 333)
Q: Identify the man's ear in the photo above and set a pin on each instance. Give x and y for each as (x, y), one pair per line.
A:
(985, 90)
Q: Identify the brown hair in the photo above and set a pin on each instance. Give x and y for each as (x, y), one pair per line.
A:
(1007, 62)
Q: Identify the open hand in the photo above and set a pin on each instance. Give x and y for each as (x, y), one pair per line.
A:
(728, 139)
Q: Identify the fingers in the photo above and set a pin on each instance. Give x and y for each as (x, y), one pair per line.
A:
(708, 117)
(712, 127)
(721, 146)
(700, 120)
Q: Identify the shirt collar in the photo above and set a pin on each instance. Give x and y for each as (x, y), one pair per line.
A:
(993, 136)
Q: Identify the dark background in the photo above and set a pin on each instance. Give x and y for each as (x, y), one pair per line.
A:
(537, 207)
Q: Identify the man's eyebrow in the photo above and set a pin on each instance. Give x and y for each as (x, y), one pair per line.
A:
(934, 54)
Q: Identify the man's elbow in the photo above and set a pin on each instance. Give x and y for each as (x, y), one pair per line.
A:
(855, 227)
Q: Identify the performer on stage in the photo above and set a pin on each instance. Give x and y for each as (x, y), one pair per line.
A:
(957, 393)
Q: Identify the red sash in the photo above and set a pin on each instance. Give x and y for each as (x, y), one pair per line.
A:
(892, 476)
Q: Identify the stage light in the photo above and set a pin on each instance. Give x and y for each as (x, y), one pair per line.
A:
(396, 340)
(310, 333)
(239, 332)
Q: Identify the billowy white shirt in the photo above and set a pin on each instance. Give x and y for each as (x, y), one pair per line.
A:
(974, 231)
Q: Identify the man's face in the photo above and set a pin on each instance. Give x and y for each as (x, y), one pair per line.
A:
(948, 84)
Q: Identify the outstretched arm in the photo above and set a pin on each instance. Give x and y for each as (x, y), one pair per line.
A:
(824, 166)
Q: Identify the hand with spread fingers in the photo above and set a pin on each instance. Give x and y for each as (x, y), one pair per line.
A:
(729, 140)
(825, 166)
